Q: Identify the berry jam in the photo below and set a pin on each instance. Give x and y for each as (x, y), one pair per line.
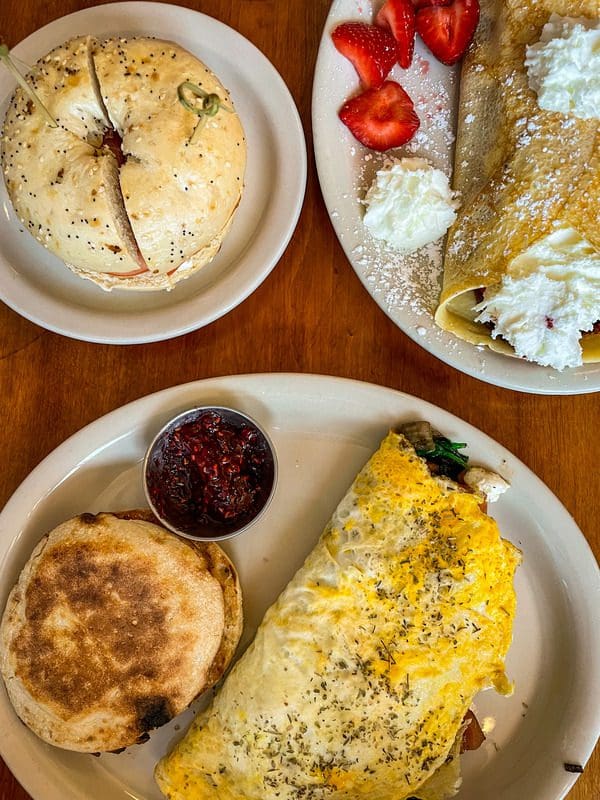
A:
(210, 474)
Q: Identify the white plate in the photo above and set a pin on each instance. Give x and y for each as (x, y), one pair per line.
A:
(324, 429)
(37, 285)
(407, 287)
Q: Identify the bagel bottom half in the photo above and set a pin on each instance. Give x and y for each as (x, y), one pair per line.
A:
(114, 626)
(150, 281)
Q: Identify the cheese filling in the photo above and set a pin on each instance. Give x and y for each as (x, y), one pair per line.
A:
(564, 67)
(550, 295)
(489, 484)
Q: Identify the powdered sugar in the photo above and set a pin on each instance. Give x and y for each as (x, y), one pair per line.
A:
(404, 280)
(401, 282)
(406, 285)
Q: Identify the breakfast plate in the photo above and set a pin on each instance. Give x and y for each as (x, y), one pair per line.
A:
(406, 287)
(323, 430)
(37, 285)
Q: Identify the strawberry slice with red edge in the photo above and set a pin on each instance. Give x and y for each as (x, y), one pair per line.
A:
(447, 30)
(399, 17)
(372, 50)
(381, 118)
(417, 4)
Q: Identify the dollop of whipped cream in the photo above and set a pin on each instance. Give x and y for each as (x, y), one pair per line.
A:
(549, 296)
(563, 68)
(410, 204)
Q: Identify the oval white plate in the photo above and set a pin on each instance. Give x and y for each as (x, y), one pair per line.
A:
(324, 429)
(37, 285)
(407, 287)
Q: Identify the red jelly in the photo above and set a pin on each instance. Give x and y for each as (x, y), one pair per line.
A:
(210, 473)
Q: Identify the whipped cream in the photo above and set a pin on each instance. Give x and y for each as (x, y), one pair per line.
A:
(549, 296)
(410, 204)
(564, 66)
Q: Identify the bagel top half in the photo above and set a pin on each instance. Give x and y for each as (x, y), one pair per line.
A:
(117, 190)
(114, 627)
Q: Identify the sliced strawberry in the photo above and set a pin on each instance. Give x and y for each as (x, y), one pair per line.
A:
(372, 50)
(381, 118)
(427, 3)
(399, 17)
(447, 30)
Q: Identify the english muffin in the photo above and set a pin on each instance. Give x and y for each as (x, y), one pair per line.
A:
(114, 626)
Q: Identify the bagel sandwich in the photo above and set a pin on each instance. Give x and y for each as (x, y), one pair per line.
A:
(135, 186)
(114, 627)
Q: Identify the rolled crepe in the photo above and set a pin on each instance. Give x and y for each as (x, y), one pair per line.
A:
(359, 678)
(521, 170)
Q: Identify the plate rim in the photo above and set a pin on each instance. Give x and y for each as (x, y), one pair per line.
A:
(101, 321)
(120, 422)
(503, 376)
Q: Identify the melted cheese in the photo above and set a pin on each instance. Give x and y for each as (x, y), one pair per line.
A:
(360, 674)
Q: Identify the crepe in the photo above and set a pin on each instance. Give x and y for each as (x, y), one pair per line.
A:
(360, 675)
(521, 170)
(117, 190)
(113, 628)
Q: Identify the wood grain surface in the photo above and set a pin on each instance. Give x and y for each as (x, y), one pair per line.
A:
(311, 315)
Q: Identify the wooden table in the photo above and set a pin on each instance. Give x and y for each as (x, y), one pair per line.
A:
(311, 315)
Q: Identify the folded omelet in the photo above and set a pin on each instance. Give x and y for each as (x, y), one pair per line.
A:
(360, 676)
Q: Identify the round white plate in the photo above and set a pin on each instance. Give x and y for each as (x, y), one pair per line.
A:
(407, 287)
(324, 429)
(37, 285)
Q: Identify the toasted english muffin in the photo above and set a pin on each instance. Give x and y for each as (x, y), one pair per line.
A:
(114, 627)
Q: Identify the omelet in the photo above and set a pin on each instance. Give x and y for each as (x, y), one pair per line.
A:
(360, 676)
